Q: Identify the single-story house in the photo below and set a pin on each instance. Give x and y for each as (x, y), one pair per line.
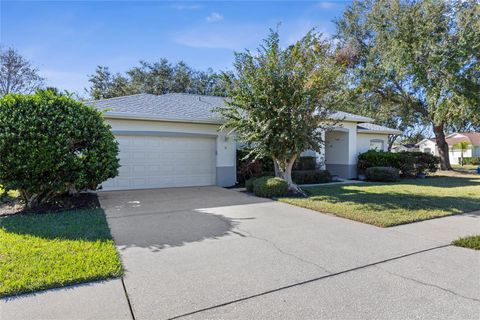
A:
(473, 150)
(408, 147)
(173, 140)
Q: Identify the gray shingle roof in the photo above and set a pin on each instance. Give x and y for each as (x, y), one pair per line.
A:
(370, 127)
(179, 107)
(341, 115)
(172, 106)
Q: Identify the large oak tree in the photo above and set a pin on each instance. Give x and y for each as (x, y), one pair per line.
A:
(416, 59)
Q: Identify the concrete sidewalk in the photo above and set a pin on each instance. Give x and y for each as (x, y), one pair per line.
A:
(215, 253)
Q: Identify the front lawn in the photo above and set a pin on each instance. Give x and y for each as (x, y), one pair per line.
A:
(388, 204)
(40, 251)
(468, 168)
(472, 242)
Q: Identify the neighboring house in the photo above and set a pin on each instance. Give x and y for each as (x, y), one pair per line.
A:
(173, 140)
(473, 139)
(409, 147)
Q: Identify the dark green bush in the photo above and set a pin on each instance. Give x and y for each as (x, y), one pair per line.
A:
(425, 162)
(51, 145)
(251, 167)
(249, 184)
(269, 187)
(471, 161)
(305, 163)
(311, 176)
(409, 163)
(384, 174)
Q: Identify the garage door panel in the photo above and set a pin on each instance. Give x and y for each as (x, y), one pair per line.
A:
(160, 162)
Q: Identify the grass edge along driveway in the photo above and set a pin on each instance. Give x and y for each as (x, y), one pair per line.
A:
(472, 242)
(389, 204)
(42, 251)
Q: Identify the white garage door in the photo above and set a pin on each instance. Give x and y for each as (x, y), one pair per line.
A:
(162, 161)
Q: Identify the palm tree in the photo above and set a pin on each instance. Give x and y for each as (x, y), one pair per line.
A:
(463, 146)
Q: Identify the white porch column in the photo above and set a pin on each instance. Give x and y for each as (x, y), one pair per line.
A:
(320, 156)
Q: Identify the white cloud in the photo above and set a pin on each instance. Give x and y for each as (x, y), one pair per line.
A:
(326, 5)
(184, 6)
(214, 17)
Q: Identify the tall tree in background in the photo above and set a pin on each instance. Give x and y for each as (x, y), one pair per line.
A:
(280, 99)
(17, 75)
(417, 59)
(155, 78)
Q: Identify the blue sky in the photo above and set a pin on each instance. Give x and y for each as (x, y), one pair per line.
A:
(67, 40)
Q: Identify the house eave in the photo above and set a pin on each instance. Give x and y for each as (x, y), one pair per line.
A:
(130, 116)
(392, 132)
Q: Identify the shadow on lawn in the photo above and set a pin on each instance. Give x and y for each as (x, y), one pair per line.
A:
(80, 224)
(387, 198)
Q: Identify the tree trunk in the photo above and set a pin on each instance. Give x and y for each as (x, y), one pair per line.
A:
(442, 147)
(283, 169)
(391, 140)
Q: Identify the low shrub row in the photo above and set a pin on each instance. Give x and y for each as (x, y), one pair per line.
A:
(470, 161)
(382, 174)
(408, 163)
(267, 187)
(311, 176)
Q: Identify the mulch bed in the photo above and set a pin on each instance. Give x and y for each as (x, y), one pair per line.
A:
(82, 201)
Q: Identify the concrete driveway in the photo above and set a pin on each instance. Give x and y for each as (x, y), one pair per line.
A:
(208, 252)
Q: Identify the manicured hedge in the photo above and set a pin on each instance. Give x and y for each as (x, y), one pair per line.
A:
(383, 174)
(51, 145)
(409, 163)
(311, 176)
(470, 160)
(249, 184)
(269, 187)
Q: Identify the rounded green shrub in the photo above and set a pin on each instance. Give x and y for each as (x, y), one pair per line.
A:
(51, 145)
(249, 184)
(269, 187)
(382, 174)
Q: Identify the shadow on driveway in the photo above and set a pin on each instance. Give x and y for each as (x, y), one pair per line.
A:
(160, 218)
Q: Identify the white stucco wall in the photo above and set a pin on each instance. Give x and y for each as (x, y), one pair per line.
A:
(455, 154)
(226, 146)
(364, 139)
(428, 144)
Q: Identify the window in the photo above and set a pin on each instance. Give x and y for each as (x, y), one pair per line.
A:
(376, 144)
(427, 150)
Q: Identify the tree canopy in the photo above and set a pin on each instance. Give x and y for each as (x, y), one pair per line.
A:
(281, 99)
(418, 61)
(156, 78)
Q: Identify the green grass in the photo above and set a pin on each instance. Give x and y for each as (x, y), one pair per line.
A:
(41, 251)
(388, 204)
(467, 167)
(472, 242)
